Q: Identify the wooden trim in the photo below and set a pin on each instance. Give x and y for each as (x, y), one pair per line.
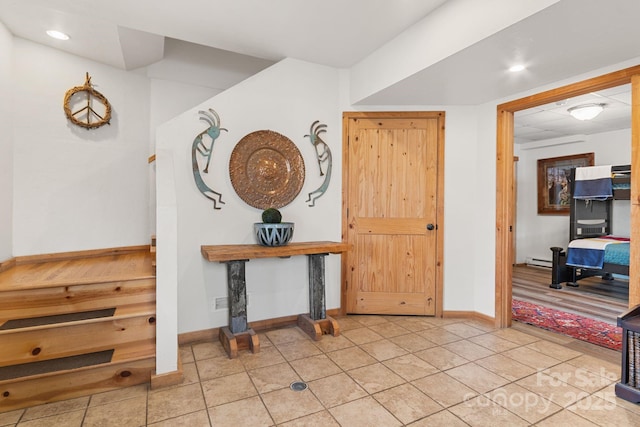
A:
(92, 253)
(474, 315)
(504, 178)
(440, 115)
(6, 265)
(259, 325)
(151, 158)
(169, 378)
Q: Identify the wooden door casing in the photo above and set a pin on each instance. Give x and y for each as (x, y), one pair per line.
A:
(393, 191)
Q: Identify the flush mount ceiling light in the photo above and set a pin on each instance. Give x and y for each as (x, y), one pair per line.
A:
(586, 111)
(516, 68)
(57, 35)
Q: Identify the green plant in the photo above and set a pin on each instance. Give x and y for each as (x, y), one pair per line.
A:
(271, 216)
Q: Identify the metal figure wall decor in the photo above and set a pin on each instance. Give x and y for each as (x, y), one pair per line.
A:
(199, 147)
(323, 155)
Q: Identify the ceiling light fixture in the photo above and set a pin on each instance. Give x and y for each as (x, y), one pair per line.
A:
(57, 35)
(516, 68)
(586, 111)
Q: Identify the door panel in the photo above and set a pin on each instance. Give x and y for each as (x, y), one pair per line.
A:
(392, 194)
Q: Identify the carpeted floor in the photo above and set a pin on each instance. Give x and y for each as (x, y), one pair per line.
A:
(573, 325)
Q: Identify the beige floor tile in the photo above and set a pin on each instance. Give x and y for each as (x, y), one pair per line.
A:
(375, 378)
(463, 330)
(515, 336)
(602, 412)
(218, 367)
(383, 350)
(440, 419)
(441, 358)
(410, 367)
(319, 419)
(55, 408)
(351, 358)
(330, 343)
(530, 357)
(312, 368)
(486, 326)
(478, 378)
(124, 413)
(266, 357)
(284, 335)
(439, 336)
(228, 389)
(370, 320)
(468, 350)
(414, 324)
(481, 412)
(207, 350)
(11, 417)
(554, 350)
(194, 419)
(273, 377)
(186, 354)
(580, 377)
(336, 390)
(506, 367)
(565, 418)
(598, 366)
(524, 403)
(70, 419)
(347, 323)
(609, 394)
(494, 343)
(362, 335)
(407, 403)
(444, 389)
(285, 405)
(120, 394)
(298, 350)
(364, 412)
(389, 329)
(552, 389)
(172, 402)
(246, 412)
(412, 342)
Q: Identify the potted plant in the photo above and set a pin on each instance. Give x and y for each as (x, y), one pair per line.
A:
(272, 231)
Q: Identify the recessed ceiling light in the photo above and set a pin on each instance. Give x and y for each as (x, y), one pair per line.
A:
(57, 35)
(516, 68)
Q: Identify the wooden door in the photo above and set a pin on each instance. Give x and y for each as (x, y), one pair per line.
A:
(392, 199)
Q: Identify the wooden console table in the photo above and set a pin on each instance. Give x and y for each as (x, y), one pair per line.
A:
(238, 336)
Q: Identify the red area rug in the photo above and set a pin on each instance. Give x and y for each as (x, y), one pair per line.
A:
(573, 325)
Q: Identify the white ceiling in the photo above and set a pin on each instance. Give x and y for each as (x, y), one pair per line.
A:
(569, 38)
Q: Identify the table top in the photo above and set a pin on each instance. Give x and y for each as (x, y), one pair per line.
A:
(224, 253)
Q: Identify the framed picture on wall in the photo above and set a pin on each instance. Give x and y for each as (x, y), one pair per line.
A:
(554, 191)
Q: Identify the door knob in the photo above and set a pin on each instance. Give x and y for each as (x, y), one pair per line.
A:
(430, 227)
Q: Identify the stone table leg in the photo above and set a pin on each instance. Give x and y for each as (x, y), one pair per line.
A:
(237, 336)
(317, 323)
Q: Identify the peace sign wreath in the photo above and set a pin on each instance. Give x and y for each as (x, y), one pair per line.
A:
(87, 116)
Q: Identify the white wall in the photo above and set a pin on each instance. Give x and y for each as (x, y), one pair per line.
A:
(535, 234)
(6, 145)
(75, 188)
(285, 98)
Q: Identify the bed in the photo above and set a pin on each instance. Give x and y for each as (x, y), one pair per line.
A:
(592, 250)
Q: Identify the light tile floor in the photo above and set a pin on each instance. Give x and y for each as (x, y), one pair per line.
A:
(381, 371)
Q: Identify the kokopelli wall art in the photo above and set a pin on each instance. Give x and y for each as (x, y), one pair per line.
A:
(202, 147)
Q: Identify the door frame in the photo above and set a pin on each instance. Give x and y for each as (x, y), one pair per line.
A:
(440, 115)
(505, 202)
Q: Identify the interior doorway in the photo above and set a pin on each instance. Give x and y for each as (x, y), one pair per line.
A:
(505, 194)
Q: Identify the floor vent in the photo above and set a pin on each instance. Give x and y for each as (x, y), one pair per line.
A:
(298, 386)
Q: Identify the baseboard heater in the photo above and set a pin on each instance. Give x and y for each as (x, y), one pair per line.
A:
(539, 262)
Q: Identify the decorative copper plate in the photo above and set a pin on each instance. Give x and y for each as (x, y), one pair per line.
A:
(266, 169)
